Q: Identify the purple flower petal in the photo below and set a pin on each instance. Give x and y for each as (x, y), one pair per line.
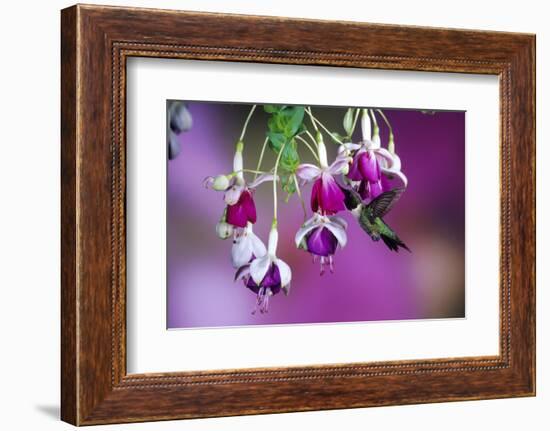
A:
(354, 174)
(321, 242)
(272, 279)
(243, 211)
(370, 191)
(249, 206)
(326, 195)
(376, 189)
(369, 166)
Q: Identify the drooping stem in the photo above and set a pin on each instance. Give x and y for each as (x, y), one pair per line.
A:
(385, 120)
(391, 141)
(252, 171)
(312, 118)
(306, 143)
(310, 136)
(315, 120)
(376, 129)
(260, 160)
(246, 122)
(299, 192)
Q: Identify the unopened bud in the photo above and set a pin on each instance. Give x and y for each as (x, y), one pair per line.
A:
(220, 182)
(239, 146)
(391, 144)
(224, 230)
(376, 135)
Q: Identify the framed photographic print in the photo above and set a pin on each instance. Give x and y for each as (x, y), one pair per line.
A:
(253, 205)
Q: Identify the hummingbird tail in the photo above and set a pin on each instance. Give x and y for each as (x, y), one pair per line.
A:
(394, 243)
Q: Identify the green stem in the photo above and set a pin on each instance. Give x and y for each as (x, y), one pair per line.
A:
(310, 136)
(391, 140)
(312, 118)
(252, 171)
(260, 160)
(315, 120)
(376, 129)
(306, 143)
(246, 122)
(385, 120)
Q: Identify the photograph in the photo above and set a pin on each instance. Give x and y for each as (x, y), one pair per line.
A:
(298, 214)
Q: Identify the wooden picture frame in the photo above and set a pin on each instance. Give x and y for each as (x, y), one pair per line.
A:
(95, 43)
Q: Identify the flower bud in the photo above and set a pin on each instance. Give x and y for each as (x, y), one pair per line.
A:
(220, 182)
(224, 230)
(391, 144)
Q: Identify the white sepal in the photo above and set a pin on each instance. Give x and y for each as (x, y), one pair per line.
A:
(285, 272)
(307, 227)
(272, 242)
(308, 172)
(245, 247)
(238, 163)
(339, 165)
(233, 193)
(241, 252)
(259, 268)
(261, 179)
(338, 220)
(256, 244)
(338, 231)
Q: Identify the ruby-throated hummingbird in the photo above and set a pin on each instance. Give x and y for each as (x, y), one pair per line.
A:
(370, 216)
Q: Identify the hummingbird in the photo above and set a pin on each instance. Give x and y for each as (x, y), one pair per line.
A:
(370, 216)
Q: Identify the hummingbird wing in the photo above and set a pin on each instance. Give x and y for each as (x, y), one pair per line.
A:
(352, 198)
(384, 203)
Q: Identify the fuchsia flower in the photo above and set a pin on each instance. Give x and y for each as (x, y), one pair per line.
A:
(369, 162)
(326, 196)
(266, 275)
(320, 236)
(239, 196)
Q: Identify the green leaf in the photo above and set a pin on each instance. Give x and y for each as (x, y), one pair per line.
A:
(348, 121)
(276, 140)
(290, 158)
(288, 185)
(283, 125)
(270, 109)
(294, 119)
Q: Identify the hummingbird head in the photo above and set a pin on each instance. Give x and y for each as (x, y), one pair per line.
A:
(352, 199)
